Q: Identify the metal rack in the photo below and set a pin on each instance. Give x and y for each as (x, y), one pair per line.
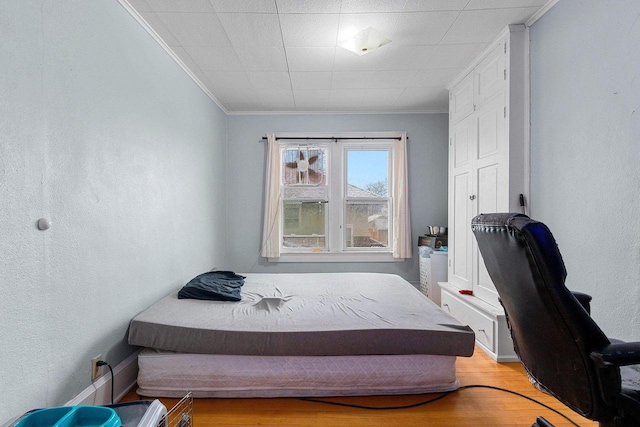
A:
(181, 415)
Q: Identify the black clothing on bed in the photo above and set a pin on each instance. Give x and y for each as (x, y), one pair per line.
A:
(214, 286)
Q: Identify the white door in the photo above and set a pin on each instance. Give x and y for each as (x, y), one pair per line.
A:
(490, 182)
(463, 136)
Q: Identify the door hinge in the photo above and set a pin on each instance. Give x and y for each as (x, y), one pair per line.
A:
(505, 112)
(505, 48)
(450, 143)
(505, 74)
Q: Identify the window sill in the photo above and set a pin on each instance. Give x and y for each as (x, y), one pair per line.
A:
(337, 257)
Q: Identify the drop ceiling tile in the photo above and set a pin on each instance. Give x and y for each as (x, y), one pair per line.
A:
(502, 4)
(262, 58)
(180, 5)
(351, 79)
(214, 57)
(383, 99)
(244, 6)
(346, 97)
(247, 96)
(310, 80)
(309, 30)
(269, 80)
(308, 6)
(406, 57)
(195, 29)
(434, 5)
(311, 99)
(364, 6)
(255, 105)
(423, 28)
(391, 79)
(241, 45)
(140, 5)
(478, 26)
(438, 78)
(353, 23)
(349, 61)
(276, 100)
(252, 29)
(228, 80)
(425, 99)
(455, 55)
(158, 26)
(310, 58)
(311, 108)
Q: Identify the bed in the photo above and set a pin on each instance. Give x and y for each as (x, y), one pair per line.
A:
(326, 334)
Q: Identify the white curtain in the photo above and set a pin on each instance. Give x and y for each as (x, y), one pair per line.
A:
(401, 216)
(271, 226)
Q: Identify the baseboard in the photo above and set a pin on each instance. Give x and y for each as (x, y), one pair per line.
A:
(99, 392)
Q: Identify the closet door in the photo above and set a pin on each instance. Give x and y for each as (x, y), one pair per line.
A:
(490, 75)
(461, 99)
(491, 183)
(463, 137)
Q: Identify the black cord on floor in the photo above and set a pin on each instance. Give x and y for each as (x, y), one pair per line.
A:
(103, 363)
(442, 396)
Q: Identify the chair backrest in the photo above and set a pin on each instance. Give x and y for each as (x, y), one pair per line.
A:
(553, 335)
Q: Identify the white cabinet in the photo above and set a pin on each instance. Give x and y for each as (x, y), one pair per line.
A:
(487, 173)
(433, 269)
(490, 74)
(461, 99)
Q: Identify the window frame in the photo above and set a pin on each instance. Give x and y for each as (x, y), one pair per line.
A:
(336, 249)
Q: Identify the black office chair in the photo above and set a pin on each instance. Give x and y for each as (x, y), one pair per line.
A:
(560, 346)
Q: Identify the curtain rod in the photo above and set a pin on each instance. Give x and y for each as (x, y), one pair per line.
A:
(334, 138)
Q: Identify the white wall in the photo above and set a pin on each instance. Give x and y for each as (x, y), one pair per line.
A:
(585, 150)
(427, 150)
(104, 134)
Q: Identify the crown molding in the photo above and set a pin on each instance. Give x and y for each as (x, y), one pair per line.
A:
(544, 9)
(326, 113)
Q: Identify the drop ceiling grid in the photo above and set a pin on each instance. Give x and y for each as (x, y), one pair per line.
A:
(282, 55)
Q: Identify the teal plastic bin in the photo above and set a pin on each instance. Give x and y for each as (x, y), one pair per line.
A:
(71, 416)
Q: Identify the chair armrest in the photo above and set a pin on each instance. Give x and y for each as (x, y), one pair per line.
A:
(584, 300)
(617, 354)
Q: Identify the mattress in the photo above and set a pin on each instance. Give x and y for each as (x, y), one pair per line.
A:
(324, 314)
(170, 374)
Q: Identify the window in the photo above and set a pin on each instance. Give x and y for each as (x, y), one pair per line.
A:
(332, 199)
(367, 204)
(304, 196)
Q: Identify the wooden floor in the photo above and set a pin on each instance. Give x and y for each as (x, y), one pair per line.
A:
(469, 407)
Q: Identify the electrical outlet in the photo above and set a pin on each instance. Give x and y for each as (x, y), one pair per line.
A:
(96, 370)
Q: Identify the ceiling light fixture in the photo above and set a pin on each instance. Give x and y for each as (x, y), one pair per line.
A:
(364, 41)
